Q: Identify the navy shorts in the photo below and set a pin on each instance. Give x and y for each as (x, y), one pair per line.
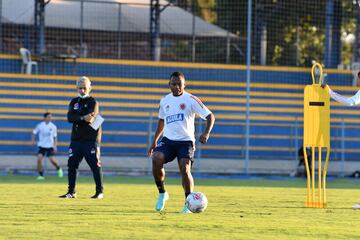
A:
(48, 152)
(175, 149)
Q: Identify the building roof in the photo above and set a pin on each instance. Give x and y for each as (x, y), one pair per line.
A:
(103, 15)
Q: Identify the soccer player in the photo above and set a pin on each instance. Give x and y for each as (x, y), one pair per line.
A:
(176, 122)
(352, 101)
(47, 144)
(85, 140)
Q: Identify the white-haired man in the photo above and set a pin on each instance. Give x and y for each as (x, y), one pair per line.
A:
(85, 140)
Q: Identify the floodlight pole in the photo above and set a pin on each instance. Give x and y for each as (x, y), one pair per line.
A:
(1, 26)
(356, 45)
(193, 33)
(155, 41)
(39, 23)
(82, 28)
(332, 54)
(247, 114)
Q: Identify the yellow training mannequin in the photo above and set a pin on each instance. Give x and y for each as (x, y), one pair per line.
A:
(316, 135)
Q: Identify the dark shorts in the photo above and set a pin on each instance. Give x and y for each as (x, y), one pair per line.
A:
(48, 152)
(175, 149)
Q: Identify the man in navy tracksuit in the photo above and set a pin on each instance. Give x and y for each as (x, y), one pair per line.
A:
(85, 141)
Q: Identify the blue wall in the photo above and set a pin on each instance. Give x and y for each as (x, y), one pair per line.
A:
(275, 132)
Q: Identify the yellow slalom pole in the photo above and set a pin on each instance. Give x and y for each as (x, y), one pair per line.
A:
(324, 176)
(313, 177)
(308, 177)
(320, 205)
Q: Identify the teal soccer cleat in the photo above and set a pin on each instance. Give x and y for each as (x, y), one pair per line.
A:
(160, 203)
(40, 178)
(185, 210)
(60, 173)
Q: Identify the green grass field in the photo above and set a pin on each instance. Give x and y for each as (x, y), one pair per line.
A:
(238, 209)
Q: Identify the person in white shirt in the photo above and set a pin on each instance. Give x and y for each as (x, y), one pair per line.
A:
(176, 125)
(47, 144)
(351, 101)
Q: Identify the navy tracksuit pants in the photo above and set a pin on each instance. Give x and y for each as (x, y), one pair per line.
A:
(91, 152)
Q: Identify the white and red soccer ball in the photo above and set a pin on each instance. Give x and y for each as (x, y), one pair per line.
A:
(196, 202)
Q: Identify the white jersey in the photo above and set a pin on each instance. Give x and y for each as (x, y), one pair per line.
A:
(47, 133)
(179, 113)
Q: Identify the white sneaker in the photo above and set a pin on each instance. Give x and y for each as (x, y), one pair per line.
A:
(98, 195)
(356, 206)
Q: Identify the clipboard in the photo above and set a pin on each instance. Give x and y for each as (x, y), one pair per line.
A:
(97, 122)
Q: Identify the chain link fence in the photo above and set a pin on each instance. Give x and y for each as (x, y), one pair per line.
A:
(207, 40)
(285, 33)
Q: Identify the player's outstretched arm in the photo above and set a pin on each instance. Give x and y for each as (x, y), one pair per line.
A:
(158, 132)
(210, 120)
(351, 101)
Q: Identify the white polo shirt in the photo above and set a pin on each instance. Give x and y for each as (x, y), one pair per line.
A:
(179, 113)
(47, 133)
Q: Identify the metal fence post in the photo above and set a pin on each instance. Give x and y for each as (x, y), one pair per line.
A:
(149, 141)
(296, 142)
(82, 28)
(193, 45)
(228, 44)
(342, 173)
(248, 63)
(119, 30)
(1, 26)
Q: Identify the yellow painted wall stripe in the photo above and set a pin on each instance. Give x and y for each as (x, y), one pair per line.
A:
(39, 117)
(268, 119)
(152, 90)
(138, 90)
(156, 97)
(107, 104)
(132, 105)
(64, 111)
(163, 91)
(29, 130)
(137, 105)
(149, 105)
(9, 56)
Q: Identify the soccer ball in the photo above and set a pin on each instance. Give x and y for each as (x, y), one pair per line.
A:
(196, 202)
